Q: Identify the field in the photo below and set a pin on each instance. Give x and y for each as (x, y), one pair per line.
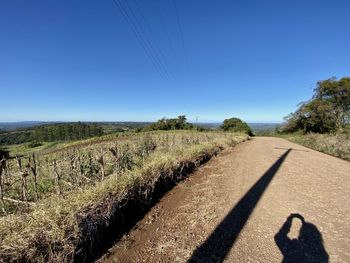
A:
(48, 197)
(337, 145)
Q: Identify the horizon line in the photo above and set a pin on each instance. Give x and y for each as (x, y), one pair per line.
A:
(133, 121)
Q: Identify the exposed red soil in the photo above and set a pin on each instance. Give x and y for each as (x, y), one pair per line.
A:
(239, 208)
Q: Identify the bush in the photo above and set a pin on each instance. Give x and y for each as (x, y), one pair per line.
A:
(34, 144)
(236, 125)
(179, 123)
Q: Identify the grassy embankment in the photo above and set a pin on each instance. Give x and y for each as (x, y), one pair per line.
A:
(60, 226)
(337, 145)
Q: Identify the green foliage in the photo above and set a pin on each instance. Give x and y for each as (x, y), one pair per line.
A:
(15, 137)
(336, 93)
(179, 123)
(327, 111)
(236, 125)
(313, 116)
(34, 144)
(66, 132)
(52, 132)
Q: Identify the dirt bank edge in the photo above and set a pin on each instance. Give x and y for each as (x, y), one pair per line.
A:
(81, 226)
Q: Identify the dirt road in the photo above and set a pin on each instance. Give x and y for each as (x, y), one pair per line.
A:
(266, 200)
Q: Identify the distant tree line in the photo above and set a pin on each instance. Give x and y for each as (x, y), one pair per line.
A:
(52, 132)
(327, 111)
(179, 123)
(15, 137)
(66, 132)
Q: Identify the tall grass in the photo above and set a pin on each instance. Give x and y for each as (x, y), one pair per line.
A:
(337, 145)
(50, 230)
(72, 167)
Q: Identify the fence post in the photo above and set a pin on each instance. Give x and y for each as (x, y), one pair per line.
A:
(56, 177)
(116, 155)
(34, 169)
(23, 174)
(2, 167)
(100, 160)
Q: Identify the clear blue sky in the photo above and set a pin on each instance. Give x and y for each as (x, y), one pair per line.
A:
(80, 60)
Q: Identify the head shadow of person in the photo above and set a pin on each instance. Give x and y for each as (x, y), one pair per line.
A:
(308, 247)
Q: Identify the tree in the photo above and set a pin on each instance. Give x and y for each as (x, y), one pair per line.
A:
(327, 111)
(338, 94)
(179, 123)
(236, 125)
(317, 116)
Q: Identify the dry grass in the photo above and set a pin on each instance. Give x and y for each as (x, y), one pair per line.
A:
(76, 166)
(51, 232)
(337, 145)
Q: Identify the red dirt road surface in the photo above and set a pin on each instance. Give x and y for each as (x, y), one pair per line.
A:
(266, 200)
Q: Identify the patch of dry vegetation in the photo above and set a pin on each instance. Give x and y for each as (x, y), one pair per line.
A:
(337, 145)
(27, 179)
(57, 226)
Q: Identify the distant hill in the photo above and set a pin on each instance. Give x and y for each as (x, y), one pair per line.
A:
(34, 131)
(21, 124)
(208, 125)
(254, 126)
(8, 126)
(258, 127)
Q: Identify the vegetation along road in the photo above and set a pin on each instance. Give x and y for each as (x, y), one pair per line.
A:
(266, 200)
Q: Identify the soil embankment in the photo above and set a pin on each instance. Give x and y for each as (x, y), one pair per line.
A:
(263, 201)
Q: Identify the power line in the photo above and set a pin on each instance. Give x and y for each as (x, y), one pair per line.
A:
(180, 29)
(149, 29)
(165, 28)
(137, 35)
(156, 50)
(147, 40)
(137, 30)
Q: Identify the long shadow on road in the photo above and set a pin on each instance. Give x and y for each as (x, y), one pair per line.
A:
(222, 239)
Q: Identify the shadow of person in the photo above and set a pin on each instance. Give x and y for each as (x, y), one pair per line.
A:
(308, 247)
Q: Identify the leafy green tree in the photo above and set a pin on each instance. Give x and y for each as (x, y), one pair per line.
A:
(327, 111)
(317, 116)
(236, 125)
(337, 93)
(179, 123)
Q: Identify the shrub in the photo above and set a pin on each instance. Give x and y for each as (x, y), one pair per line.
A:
(236, 125)
(179, 123)
(34, 144)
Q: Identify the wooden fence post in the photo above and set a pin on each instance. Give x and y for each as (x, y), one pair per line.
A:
(72, 166)
(80, 166)
(56, 177)
(100, 160)
(2, 167)
(34, 169)
(115, 153)
(23, 174)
